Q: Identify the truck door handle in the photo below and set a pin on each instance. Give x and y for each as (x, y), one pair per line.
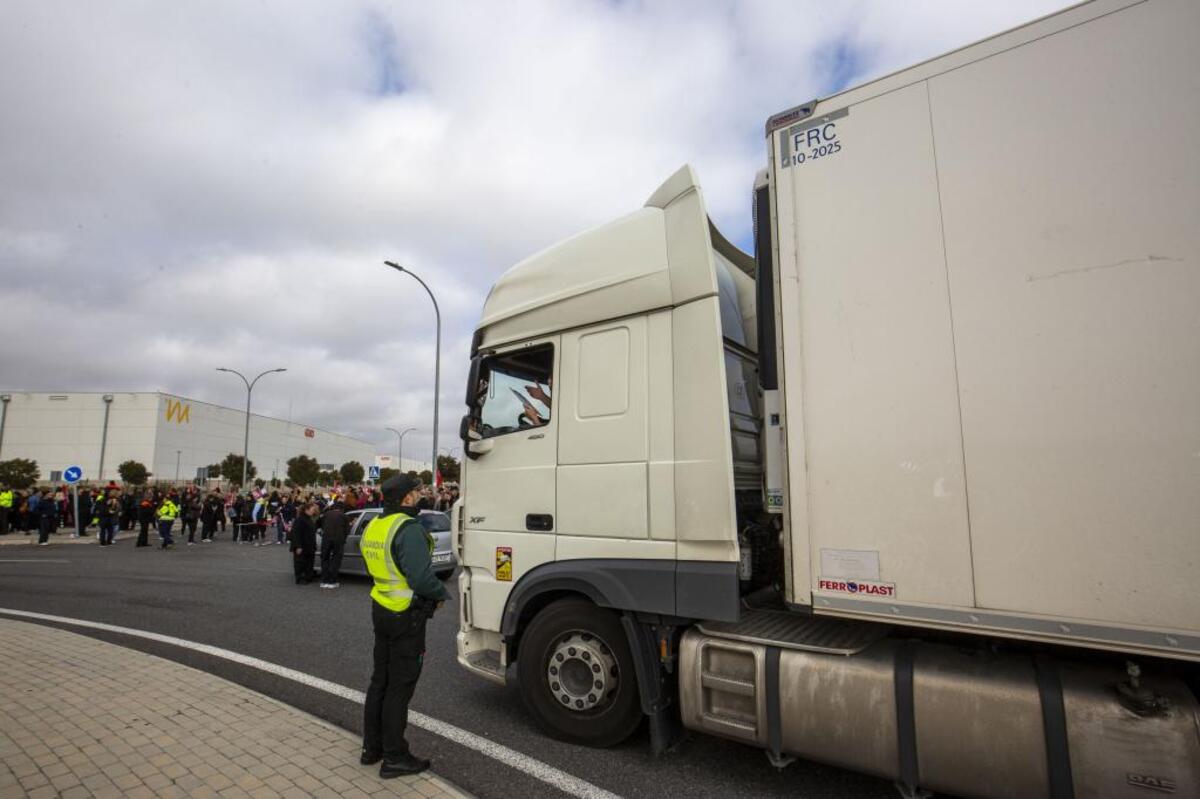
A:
(539, 522)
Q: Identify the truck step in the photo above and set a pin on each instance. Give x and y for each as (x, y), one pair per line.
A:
(788, 630)
(486, 663)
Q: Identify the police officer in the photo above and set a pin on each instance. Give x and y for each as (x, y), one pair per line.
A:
(396, 550)
(168, 511)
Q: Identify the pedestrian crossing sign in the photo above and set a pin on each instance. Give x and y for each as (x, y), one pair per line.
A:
(373, 472)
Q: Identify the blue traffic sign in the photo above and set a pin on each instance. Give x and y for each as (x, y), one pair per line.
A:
(373, 472)
(73, 474)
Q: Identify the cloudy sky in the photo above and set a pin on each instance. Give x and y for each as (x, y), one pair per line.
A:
(189, 185)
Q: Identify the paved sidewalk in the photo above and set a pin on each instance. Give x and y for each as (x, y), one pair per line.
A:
(63, 536)
(81, 717)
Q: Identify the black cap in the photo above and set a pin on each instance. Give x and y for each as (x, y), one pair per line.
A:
(397, 487)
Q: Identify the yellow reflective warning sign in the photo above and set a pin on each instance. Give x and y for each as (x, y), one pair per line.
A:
(504, 564)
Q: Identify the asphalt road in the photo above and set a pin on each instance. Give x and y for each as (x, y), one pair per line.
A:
(243, 599)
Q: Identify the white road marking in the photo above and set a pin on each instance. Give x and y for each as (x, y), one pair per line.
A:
(31, 560)
(567, 783)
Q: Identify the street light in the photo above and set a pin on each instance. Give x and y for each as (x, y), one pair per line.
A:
(249, 389)
(400, 446)
(437, 358)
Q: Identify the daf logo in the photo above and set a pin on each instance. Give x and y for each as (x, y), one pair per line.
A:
(477, 519)
(1150, 782)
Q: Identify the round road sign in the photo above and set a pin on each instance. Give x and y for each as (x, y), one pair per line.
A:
(73, 474)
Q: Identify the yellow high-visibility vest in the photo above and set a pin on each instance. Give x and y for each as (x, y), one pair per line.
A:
(168, 511)
(6, 499)
(391, 587)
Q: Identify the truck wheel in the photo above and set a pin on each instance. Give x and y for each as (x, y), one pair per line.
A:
(576, 674)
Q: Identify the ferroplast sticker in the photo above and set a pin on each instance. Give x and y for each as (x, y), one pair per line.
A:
(857, 587)
(504, 564)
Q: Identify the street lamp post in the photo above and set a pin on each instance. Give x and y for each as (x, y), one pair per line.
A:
(108, 398)
(4, 400)
(400, 446)
(249, 390)
(437, 359)
(178, 455)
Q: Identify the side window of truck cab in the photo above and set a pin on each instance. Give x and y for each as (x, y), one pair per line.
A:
(515, 391)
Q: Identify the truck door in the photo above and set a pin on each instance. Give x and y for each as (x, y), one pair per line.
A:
(510, 481)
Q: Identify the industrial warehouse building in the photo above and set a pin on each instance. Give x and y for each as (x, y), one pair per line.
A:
(172, 436)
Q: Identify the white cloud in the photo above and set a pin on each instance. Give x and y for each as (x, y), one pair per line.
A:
(193, 185)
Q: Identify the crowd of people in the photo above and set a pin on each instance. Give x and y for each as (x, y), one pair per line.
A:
(260, 517)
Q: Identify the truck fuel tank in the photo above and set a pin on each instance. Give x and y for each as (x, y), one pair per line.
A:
(969, 722)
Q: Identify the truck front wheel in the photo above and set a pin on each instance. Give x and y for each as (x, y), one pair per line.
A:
(576, 674)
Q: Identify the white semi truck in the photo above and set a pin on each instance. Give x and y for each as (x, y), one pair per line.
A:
(915, 490)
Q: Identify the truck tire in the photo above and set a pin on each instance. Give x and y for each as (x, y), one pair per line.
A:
(576, 674)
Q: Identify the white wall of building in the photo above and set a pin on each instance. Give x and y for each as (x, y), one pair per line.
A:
(410, 464)
(61, 430)
(159, 430)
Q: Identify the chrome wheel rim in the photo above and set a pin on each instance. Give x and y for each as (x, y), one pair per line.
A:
(581, 672)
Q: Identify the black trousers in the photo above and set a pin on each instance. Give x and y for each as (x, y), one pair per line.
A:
(399, 654)
(4, 520)
(206, 530)
(302, 564)
(46, 526)
(331, 559)
(143, 539)
(190, 526)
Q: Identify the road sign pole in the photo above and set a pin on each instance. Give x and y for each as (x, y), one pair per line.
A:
(73, 474)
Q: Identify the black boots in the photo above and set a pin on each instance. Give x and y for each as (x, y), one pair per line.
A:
(405, 765)
(370, 758)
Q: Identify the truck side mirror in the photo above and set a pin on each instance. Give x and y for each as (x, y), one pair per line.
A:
(466, 432)
(473, 380)
(481, 447)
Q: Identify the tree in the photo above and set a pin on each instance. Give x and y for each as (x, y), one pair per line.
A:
(425, 477)
(303, 470)
(133, 473)
(213, 471)
(19, 473)
(231, 469)
(387, 472)
(449, 467)
(352, 472)
(327, 478)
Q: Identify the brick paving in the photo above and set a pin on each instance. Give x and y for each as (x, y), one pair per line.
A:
(81, 717)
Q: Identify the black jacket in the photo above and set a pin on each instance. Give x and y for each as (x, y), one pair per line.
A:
(212, 509)
(336, 525)
(304, 534)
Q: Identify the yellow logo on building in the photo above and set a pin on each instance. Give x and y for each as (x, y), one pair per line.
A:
(177, 412)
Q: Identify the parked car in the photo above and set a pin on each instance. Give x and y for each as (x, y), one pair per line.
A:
(435, 522)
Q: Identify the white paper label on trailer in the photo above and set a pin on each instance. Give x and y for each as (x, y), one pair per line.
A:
(850, 564)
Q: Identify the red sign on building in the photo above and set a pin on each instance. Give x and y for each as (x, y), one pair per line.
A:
(309, 432)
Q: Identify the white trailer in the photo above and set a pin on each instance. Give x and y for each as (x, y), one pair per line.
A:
(916, 490)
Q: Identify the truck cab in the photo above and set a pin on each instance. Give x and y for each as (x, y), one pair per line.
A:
(614, 429)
